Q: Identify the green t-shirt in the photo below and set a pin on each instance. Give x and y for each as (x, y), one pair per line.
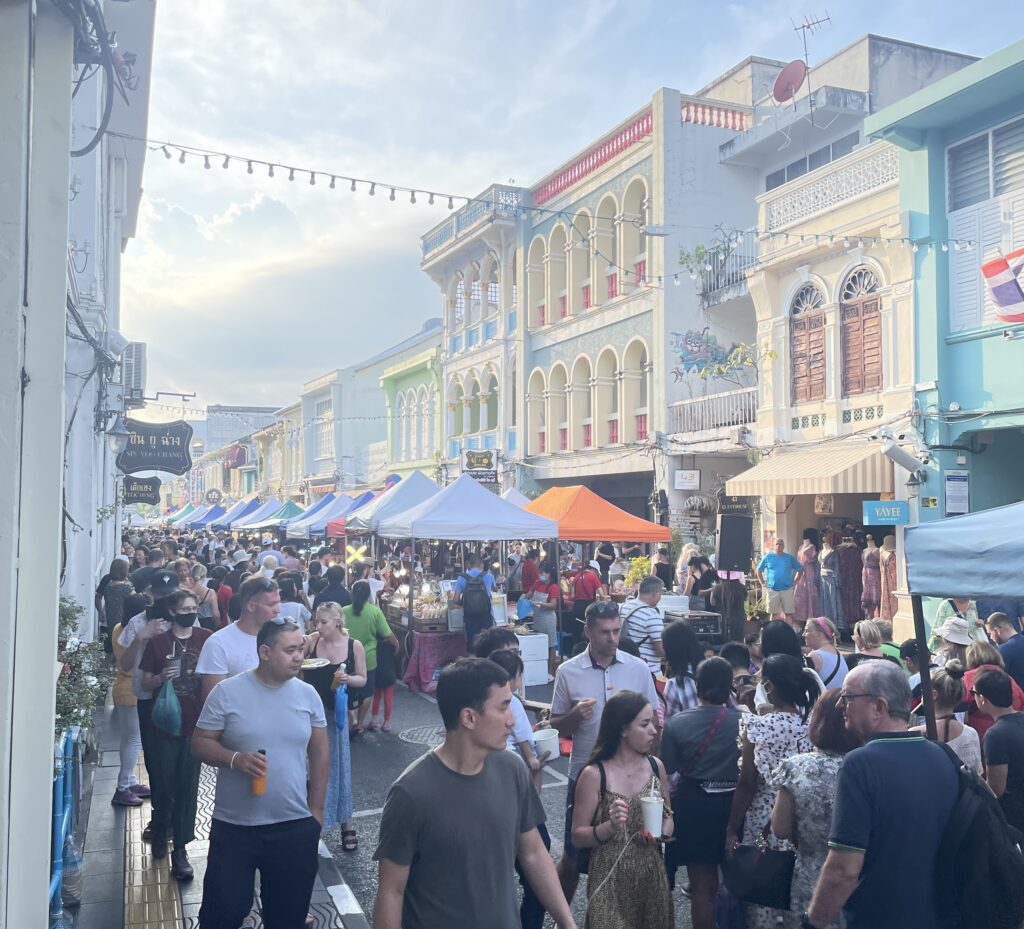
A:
(367, 627)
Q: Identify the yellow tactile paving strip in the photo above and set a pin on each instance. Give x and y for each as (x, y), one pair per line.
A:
(151, 897)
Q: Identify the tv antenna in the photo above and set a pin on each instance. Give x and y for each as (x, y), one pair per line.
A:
(810, 25)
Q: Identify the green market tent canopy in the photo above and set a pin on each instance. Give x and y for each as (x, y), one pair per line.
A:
(264, 511)
(287, 512)
(180, 515)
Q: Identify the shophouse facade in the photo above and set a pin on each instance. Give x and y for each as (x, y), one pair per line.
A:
(344, 412)
(413, 390)
(832, 292)
(960, 144)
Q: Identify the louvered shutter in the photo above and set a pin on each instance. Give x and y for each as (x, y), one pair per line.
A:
(964, 271)
(871, 322)
(968, 173)
(1008, 157)
(816, 355)
(852, 339)
(798, 352)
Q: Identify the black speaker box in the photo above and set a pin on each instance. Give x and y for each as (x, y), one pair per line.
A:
(735, 543)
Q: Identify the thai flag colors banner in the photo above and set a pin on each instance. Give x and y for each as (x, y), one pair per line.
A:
(1001, 278)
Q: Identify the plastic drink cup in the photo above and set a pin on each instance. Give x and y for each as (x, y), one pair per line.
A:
(259, 784)
(546, 741)
(654, 810)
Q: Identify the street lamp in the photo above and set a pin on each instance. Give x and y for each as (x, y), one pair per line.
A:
(117, 436)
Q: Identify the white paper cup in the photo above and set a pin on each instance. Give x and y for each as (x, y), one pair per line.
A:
(546, 741)
(653, 810)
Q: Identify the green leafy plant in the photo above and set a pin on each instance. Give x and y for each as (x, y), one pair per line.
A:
(84, 675)
(638, 569)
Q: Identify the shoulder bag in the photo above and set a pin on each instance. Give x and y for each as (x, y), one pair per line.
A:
(759, 874)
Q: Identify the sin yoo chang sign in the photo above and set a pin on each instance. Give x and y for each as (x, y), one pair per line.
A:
(157, 447)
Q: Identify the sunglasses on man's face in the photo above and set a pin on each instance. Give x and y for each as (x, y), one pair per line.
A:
(605, 609)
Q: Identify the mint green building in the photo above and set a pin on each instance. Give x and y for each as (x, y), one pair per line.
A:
(961, 144)
(412, 389)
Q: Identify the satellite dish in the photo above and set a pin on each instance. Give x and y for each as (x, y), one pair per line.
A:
(790, 80)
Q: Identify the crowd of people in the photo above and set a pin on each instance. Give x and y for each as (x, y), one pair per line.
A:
(265, 663)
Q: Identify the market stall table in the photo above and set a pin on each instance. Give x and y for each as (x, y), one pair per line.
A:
(427, 652)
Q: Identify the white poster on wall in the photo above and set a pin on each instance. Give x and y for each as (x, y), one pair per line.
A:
(958, 492)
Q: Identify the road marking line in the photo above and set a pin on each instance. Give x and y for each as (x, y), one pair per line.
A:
(365, 813)
(344, 900)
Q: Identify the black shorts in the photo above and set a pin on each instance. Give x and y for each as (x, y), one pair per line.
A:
(356, 697)
(701, 819)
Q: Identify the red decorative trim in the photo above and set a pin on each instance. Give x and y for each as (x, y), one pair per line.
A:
(594, 158)
(706, 114)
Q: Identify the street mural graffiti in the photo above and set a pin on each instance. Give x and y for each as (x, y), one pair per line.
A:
(697, 349)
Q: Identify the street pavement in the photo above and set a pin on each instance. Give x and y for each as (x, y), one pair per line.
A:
(379, 758)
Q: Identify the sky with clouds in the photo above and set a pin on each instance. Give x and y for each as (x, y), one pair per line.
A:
(244, 286)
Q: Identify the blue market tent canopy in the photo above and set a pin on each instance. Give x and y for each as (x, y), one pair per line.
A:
(300, 528)
(977, 555)
(213, 513)
(319, 525)
(189, 521)
(264, 511)
(240, 509)
(406, 494)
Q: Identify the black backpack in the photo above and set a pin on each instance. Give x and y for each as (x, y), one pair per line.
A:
(476, 601)
(979, 869)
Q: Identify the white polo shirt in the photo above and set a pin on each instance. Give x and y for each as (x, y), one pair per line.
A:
(580, 678)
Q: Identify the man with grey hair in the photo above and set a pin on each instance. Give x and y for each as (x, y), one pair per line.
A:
(894, 798)
(642, 622)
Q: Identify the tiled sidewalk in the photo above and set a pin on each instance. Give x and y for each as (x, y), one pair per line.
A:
(125, 888)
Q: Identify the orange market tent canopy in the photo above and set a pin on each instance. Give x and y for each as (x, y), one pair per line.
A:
(583, 516)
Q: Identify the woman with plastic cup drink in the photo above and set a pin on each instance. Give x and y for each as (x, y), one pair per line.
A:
(622, 814)
(341, 666)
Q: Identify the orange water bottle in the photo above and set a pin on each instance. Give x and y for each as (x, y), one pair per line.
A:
(259, 784)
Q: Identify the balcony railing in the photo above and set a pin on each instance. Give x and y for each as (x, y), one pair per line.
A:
(495, 203)
(718, 411)
(862, 172)
(724, 274)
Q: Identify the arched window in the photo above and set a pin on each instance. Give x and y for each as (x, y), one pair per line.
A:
(397, 448)
(807, 345)
(860, 316)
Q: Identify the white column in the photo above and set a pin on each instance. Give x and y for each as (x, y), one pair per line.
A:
(35, 139)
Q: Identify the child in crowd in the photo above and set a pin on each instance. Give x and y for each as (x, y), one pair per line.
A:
(384, 685)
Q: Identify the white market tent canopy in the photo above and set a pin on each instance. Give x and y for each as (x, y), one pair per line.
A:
(515, 496)
(466, 512)
(977, 555)
(407, 493)
(265, 511)
(305, 527)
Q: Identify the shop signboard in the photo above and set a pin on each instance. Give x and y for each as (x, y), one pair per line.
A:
(213, 496)
(156, 447)
(481, 464)
(736, 506)
(141, 490)
(885, 512)
(687, 479)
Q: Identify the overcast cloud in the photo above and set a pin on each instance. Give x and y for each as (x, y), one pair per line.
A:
(245, 286)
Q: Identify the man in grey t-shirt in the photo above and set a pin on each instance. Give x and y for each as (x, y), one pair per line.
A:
(456, 819)
(267, 733)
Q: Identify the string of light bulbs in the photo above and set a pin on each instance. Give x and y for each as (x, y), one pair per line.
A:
(333, 178)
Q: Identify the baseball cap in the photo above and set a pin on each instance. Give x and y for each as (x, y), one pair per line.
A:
(594, 564)
(239, 557)
(163, 584)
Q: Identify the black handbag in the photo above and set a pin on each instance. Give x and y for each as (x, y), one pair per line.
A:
(759, 874)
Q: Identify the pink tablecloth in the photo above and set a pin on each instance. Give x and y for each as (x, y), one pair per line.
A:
(427, 652)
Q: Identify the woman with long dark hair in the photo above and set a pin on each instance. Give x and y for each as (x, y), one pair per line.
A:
(683, 652)
(628, 885)
(766, 741)
(699, 748)
(779, 638)
(366, 623)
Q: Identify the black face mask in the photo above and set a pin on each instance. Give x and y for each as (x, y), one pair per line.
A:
(185, 619)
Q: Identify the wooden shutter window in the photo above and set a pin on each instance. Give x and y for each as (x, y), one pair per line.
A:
(807, 346)
(860, 316)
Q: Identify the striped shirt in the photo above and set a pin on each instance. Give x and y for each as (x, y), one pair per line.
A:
(644, 625)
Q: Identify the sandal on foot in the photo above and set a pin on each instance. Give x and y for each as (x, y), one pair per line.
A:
(386, 727)
(371, 726)
(349, 841)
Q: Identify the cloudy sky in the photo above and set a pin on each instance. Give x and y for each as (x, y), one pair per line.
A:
(245, 286)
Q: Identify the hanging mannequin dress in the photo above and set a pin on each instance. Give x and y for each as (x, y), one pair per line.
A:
(871, 580)
(887, 607)
(850, 570)
(831, 606)
(806, 592)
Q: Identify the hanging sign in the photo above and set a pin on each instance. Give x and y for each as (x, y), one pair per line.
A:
(156, 447)
(736, 506)
(824, 505)
(213, 496)
(481, 464)
(885, 512)
(141, 490)
(687, 479)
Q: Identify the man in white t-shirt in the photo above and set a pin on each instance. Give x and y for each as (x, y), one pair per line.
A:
(643, 623)
(232, 650)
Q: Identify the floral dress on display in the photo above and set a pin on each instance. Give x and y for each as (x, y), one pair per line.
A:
(806, 592)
